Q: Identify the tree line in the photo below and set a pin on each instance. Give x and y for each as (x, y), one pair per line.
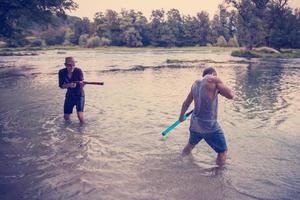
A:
(247, 23)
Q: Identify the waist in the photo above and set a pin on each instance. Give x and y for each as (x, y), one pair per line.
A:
(205, 116)
(204, 125)
(75, 93)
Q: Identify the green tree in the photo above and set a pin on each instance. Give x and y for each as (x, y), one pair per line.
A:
(93, 42)
(233, 42)
(108, 26)
(224, 27)
(295, 34)
(203, 29)
(83, 39)
(133, 25)
(221, 42)
(53, 36)
(174, 26)
(215, 29)
(159, 34)
(196, 30)
(251, 25)
(15, 14)
(282, 25)
(80, 27)
(223, 24)
(189, 26)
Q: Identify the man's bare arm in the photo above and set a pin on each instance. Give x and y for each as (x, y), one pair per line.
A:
(223, 89)
(185, 105)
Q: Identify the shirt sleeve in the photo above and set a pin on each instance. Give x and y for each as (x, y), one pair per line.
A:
(60, 79)
(81, 78)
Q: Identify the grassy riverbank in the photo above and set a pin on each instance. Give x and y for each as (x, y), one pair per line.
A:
(285, 53)
(30, 51)
(236, 52)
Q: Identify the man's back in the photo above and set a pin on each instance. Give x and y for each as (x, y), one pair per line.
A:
(204, 123)
(205, 95)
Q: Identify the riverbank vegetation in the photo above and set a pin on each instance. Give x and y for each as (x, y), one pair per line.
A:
(254, 53)
(62, 49)
(238, 23)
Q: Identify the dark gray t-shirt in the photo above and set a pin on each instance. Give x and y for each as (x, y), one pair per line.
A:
(77, 75)
(205, 114)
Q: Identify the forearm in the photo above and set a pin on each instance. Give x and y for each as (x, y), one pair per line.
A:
(184, 108)
(65, 86)
(227, 92)
(186, 105)
(230, 94)
(224, 90)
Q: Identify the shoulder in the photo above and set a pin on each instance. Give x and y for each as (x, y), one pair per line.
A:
(77, 69)
(197, 82)
(61, 71)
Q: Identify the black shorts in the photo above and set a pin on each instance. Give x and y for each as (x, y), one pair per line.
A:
(70, 102)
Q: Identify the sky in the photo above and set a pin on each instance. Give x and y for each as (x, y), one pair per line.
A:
(88, 8)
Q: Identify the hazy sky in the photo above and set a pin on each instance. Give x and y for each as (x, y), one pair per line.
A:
(88, 8)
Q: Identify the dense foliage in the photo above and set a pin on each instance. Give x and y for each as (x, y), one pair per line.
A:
(17, 15)
(248, 23)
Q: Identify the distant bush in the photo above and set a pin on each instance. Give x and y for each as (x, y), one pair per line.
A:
(17, 42)
(67, 43)
(70, 37)
(221, 42)
(83, 39)
(233, 42)
(105, 41)
(54, 37)
(73, 39)
(36, 43)
(68, 32)
(245, 54)
(209, 45)
(93, 42)
(3, 44)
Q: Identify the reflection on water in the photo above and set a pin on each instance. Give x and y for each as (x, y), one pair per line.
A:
(120, 153)
(266, 88)
(258, 94)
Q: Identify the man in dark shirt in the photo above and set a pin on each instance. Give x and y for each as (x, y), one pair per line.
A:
(71, 78)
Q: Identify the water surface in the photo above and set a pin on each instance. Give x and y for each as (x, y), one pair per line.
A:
(120, 153)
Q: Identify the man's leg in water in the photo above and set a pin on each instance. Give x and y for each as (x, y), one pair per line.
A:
(217, 141)
(221, 158)
(80, 117)
(187, 149)
(67, 117)
(194, 139)
(68, 108)
(80, 108)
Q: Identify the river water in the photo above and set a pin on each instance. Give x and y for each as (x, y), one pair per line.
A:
(120, 154)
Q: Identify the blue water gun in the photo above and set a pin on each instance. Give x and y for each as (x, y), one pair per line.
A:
(167, 130)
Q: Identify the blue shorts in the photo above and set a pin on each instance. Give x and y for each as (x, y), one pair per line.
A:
(215, 140)
(70, 102)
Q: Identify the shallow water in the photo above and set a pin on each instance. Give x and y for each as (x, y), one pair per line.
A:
(120, 153)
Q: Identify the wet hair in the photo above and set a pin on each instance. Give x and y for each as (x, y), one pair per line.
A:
(208, 70)
(69, 59)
